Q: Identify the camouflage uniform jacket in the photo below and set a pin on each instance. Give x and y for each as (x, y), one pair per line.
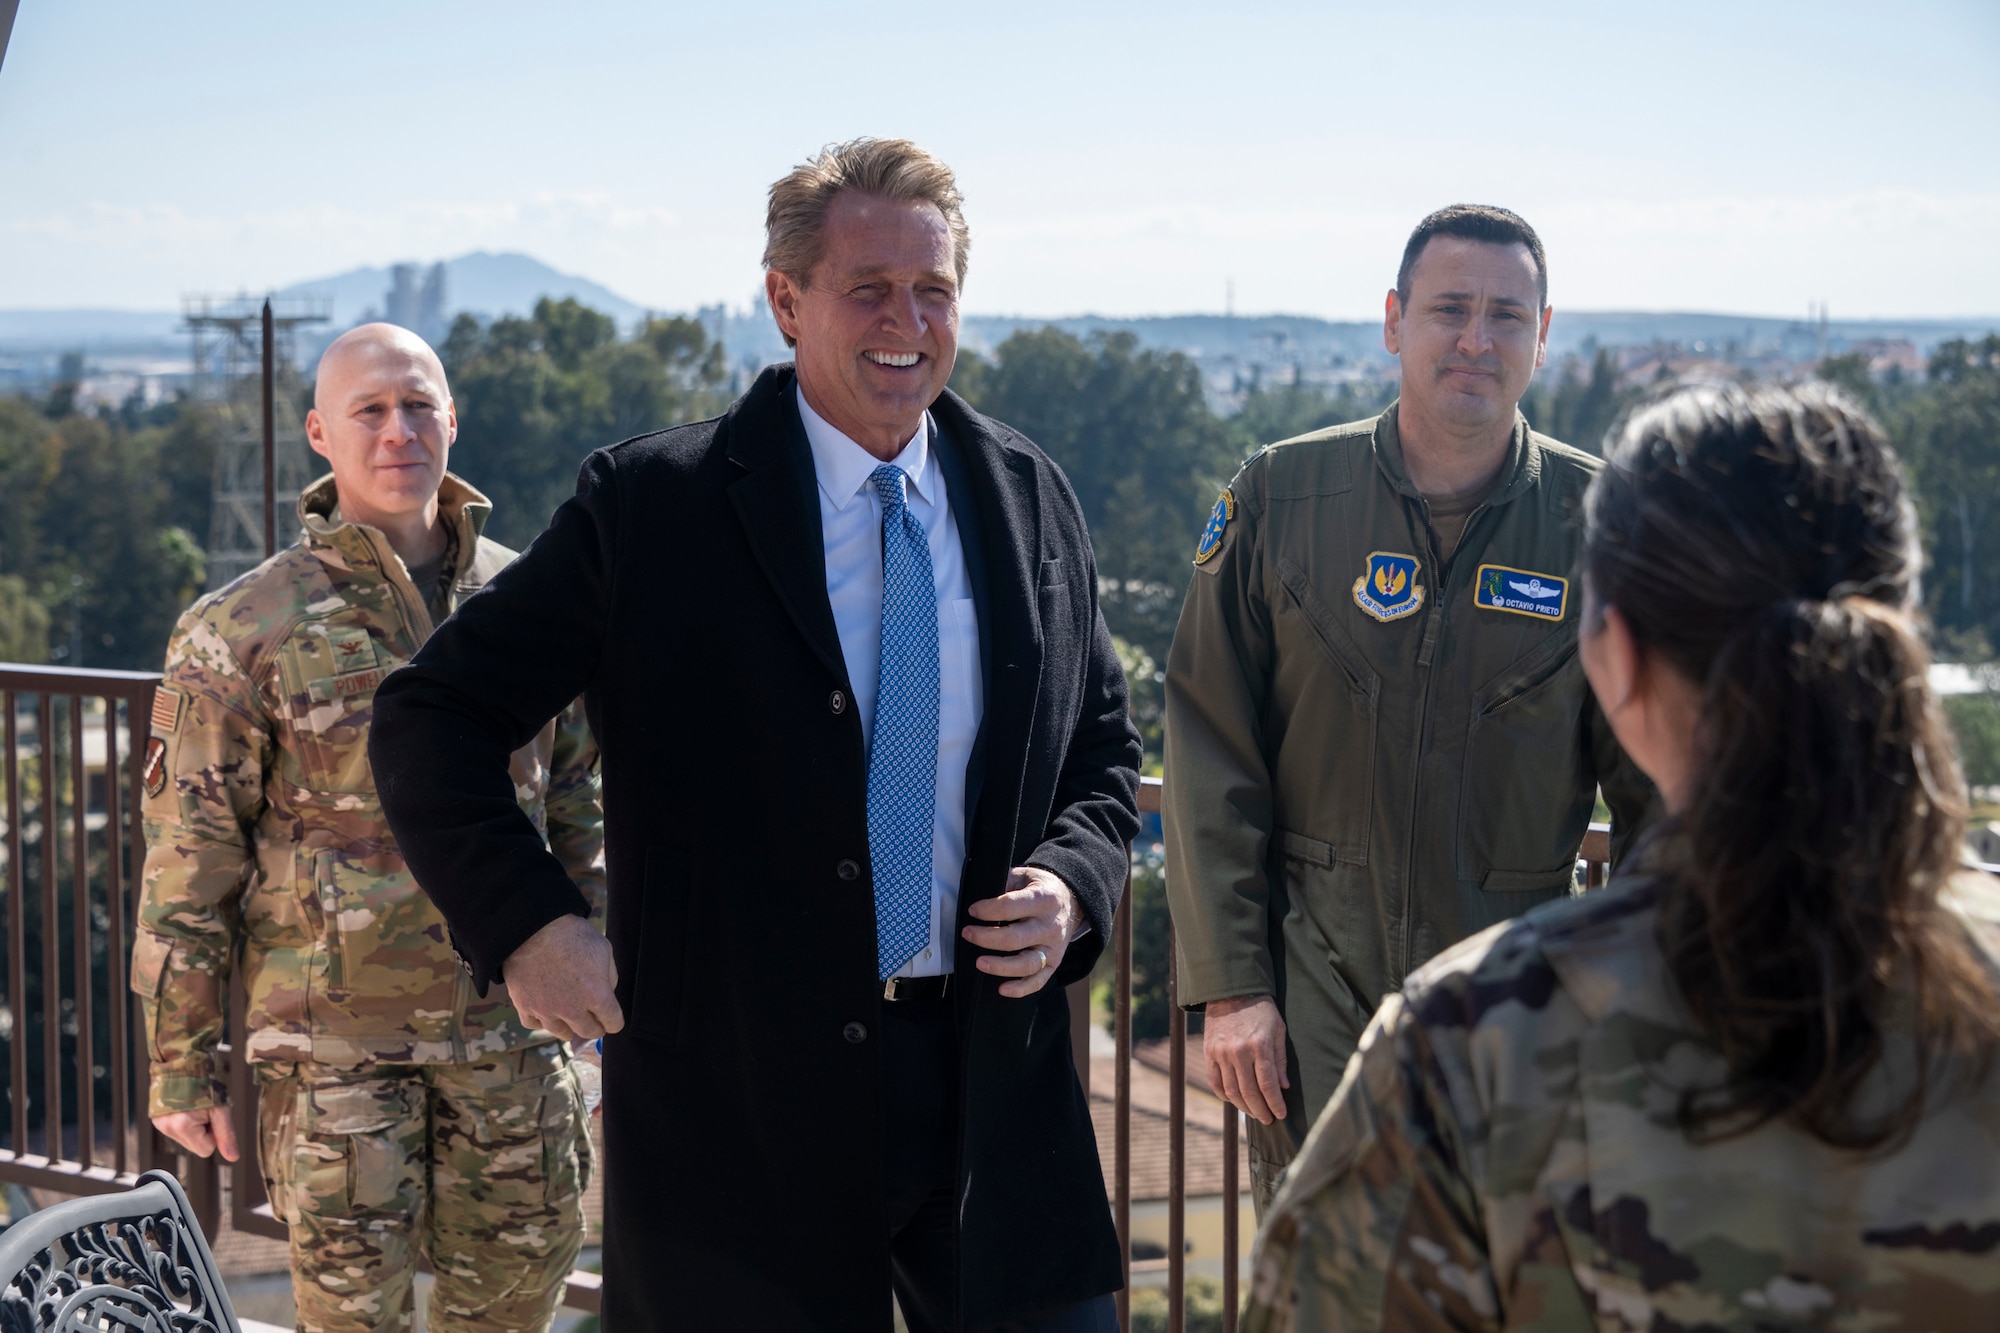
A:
(1503, 1154)
(264, 833)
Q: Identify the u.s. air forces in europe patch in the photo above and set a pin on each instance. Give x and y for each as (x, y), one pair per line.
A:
(1521, 591)
(1218, 524)
(1389, 590)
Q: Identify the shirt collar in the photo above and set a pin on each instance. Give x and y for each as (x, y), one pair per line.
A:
(843, 467)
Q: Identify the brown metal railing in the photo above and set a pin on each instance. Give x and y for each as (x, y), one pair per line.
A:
(73, 775)
(73, 849)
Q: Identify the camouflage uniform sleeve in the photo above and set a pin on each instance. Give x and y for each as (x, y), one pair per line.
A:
(1378, 1225)
(576, 807)
(200, 811)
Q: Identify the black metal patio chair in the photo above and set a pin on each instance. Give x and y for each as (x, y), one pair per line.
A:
(134, 1261)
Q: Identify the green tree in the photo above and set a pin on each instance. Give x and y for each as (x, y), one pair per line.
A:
(536, 395)
(88, 538)
(1579, 406)
(1272, 414)
(1132, 431)
(1951, 438)
(1975, 719)
(24, 623)
(1202, 1312)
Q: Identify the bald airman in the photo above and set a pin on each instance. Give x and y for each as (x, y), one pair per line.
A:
(398, 1113)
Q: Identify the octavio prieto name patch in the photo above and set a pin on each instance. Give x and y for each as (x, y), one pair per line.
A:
(1218, 523)
(1521, 591)
(1389, 590)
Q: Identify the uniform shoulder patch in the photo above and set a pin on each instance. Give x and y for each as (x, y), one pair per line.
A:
(168, 705)
(1388, 588)
(1218, 524)
(155, 772)
(1521, 592)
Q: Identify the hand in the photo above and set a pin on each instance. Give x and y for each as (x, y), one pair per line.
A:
(563, 980)
(201, 1132)
(1243, 1040)
(1042, 914)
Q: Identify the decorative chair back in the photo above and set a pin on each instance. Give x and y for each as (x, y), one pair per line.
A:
(133, 1261)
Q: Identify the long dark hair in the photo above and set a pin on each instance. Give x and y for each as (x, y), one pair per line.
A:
(1762, 544)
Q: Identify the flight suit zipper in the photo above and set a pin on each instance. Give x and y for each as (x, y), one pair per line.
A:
(1426, 651)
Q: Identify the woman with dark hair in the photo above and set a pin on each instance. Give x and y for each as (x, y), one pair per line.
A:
(1745, 1086)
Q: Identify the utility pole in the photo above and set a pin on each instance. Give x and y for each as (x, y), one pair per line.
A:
(270, 445)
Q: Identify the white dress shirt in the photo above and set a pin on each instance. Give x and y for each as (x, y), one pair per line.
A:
(850, 514)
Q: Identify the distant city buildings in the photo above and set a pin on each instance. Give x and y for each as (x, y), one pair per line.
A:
(421, 306)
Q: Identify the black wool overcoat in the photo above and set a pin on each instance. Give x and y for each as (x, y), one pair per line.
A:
(682, 593)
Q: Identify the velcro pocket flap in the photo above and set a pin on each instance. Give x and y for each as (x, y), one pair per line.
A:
(1298, 847)
(1560, 880)
(361, 1108)
(150, 954)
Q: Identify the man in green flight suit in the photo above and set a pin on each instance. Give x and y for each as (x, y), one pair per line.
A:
(399, 1114)
(1378, 735)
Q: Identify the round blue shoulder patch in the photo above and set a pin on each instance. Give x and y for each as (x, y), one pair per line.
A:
(1218, 523)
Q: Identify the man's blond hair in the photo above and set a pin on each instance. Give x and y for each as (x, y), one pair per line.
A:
(795, 221)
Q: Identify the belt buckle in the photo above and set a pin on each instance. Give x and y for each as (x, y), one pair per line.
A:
(910, 988)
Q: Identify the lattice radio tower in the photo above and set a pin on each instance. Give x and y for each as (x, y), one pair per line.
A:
(228, 367)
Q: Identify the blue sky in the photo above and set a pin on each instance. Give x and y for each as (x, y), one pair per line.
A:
(1117, 158)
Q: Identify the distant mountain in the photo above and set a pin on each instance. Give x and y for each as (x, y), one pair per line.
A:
(86, 330)
(487, 285)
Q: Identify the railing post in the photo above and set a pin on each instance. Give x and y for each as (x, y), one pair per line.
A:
(1121, 1007)
(17, 938)
(45, 765)
(119, 1058)
(1232, 1207)
(79, 926)
(1176, 1147)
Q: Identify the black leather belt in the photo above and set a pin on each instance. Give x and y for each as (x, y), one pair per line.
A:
(897, 990)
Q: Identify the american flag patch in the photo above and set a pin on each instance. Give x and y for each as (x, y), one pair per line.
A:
(167, 703)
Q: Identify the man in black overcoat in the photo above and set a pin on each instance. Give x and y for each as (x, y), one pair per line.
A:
(868, 787)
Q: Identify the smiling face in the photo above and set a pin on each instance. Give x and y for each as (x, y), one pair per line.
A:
(1471, 335)
(382, 417)
(876, 323)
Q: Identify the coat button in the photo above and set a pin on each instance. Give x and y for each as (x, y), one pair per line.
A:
(837, 701)
(854, 1032)
(847, 870)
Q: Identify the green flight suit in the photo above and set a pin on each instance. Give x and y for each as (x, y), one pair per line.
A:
(1372, 753)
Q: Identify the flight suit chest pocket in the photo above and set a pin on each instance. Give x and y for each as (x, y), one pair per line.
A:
(1527, 788)
(1334, 701)
(329, 674)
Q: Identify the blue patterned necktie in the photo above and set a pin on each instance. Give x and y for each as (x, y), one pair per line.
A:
(902, 765)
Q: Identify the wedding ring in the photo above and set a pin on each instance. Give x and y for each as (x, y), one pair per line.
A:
(1044, 957)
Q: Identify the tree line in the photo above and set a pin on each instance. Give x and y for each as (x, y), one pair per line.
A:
(103, 513)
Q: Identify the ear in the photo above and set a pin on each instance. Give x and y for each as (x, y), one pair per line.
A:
(782, 295)
(1392, 324)
(450, 423)
(1542, 338)
(316, 434)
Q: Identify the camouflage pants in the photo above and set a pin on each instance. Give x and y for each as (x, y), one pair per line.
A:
(1271, 1149)
(481, 1166)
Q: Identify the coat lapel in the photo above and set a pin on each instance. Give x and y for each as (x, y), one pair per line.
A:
(776, 500)
(999, 487)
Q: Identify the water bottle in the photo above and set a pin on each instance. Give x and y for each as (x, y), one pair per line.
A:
(589, 1066)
